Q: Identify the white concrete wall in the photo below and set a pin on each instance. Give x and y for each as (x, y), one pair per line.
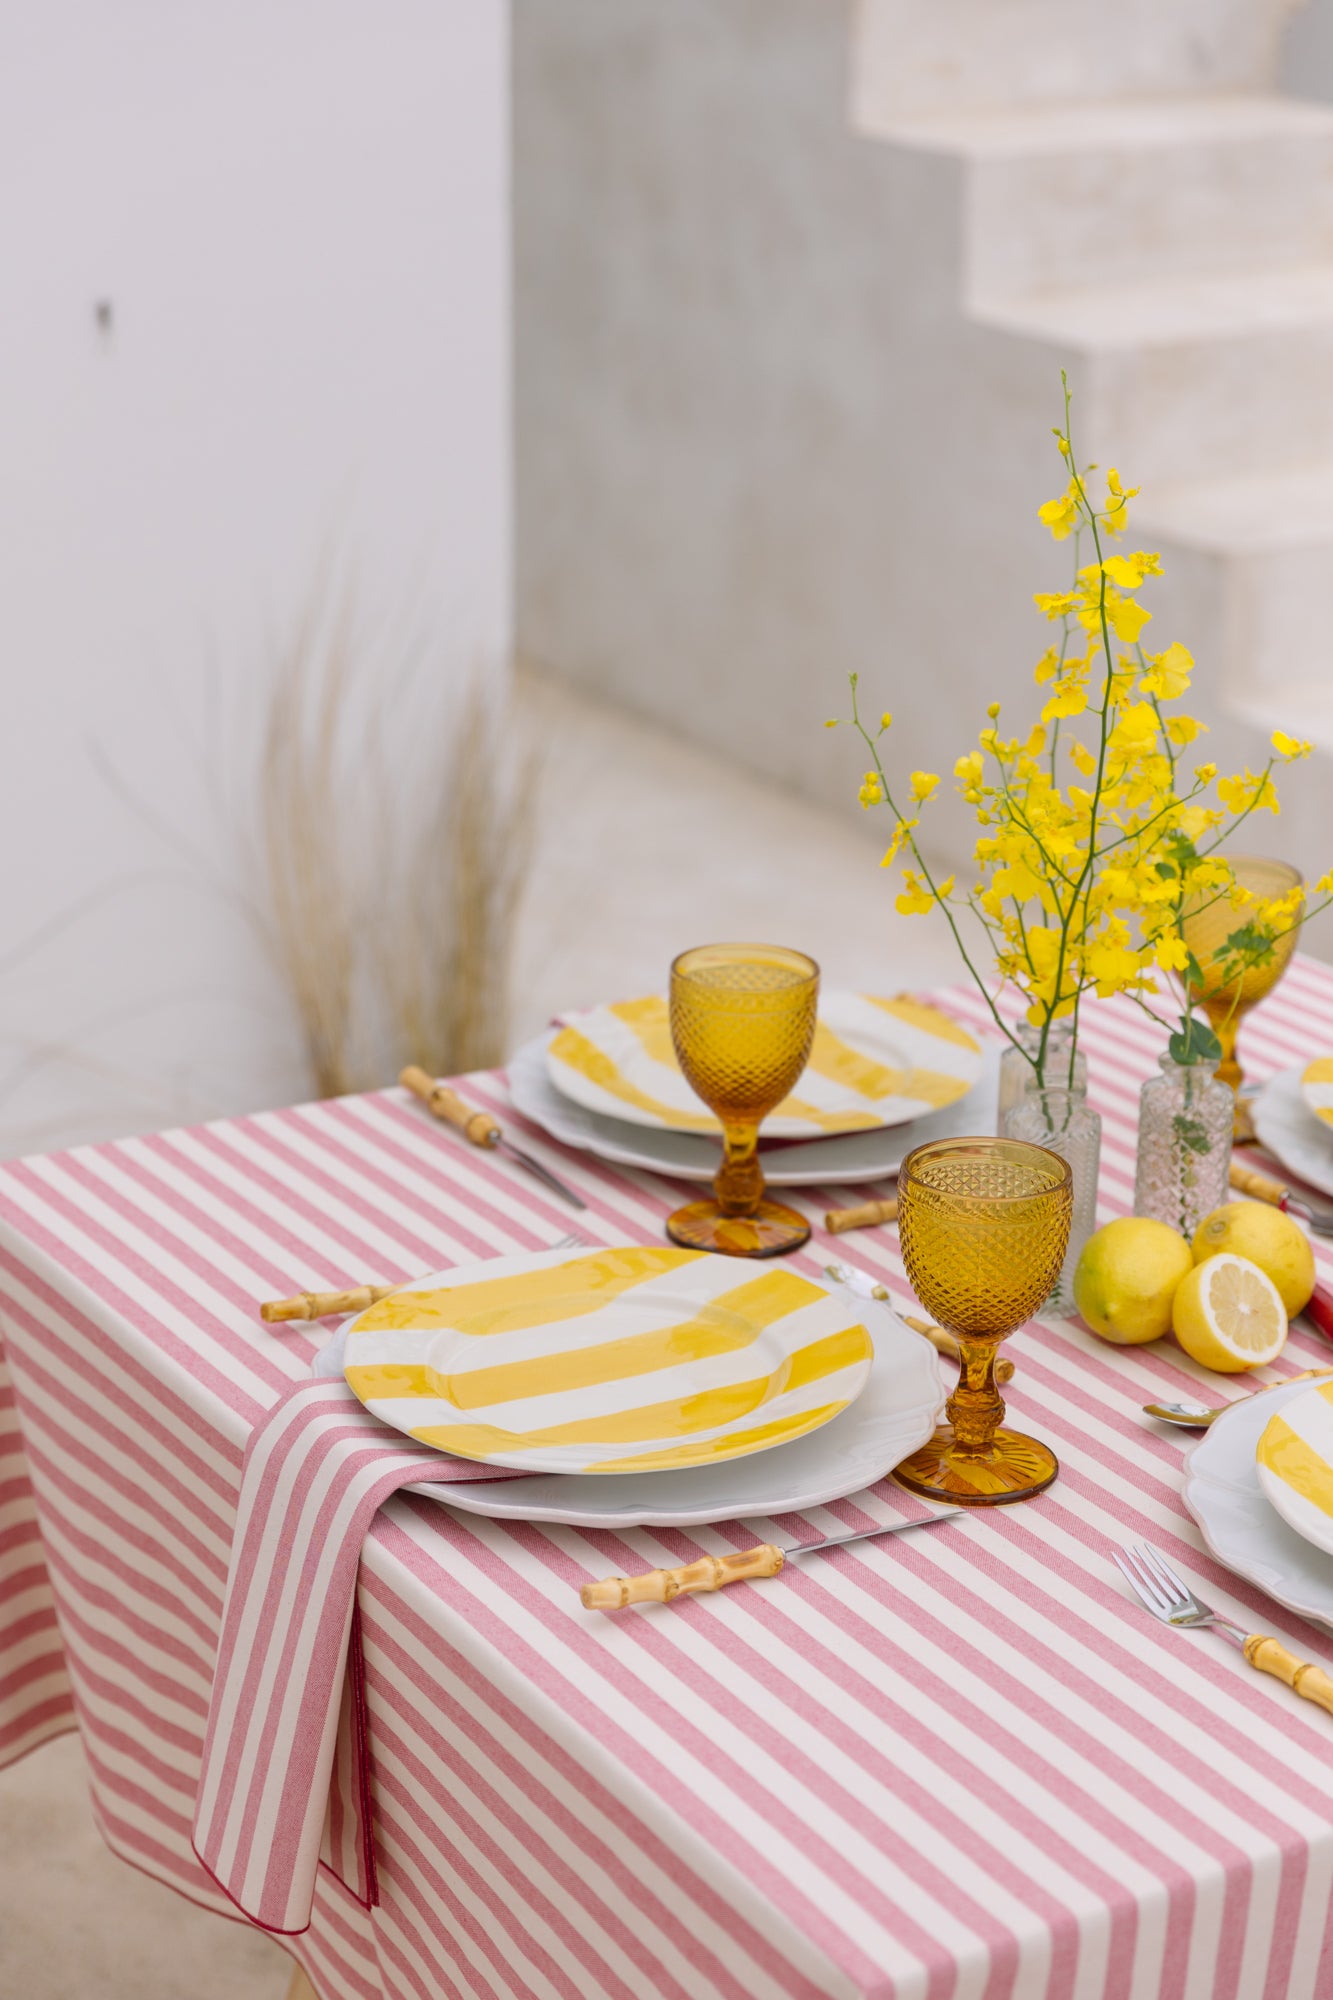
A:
(298, 211)
(767, 433)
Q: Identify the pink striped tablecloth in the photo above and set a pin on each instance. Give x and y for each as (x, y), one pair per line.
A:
(955, 1766)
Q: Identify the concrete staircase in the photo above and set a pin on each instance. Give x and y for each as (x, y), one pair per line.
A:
(1174, 252)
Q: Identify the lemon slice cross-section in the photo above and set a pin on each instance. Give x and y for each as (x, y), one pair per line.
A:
(1228, 1314)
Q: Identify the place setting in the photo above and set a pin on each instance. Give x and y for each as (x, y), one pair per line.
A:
(668, 1385)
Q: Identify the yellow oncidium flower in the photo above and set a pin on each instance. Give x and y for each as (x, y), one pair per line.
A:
(916, 899)
(1168, 674)
(1081, 885)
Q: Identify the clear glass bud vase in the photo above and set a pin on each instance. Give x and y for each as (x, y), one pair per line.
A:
(1184, 1161)
(1017, 1075)
(1064, 1121)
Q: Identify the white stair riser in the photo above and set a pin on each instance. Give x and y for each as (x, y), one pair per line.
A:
(1198, 409)
(1048, 221)
(1252, 619)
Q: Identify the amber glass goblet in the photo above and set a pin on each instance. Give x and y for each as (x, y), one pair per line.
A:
(742, 1021)
(984, 1224)
(1206, 931)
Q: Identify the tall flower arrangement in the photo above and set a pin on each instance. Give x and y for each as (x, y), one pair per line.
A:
(1096, 830)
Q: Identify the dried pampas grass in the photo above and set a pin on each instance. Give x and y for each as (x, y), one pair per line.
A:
(396, 830)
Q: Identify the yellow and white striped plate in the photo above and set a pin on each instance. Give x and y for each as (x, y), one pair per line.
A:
(1294, 1460)
(629, 1358)
(875, 1062)
(1317, 1087)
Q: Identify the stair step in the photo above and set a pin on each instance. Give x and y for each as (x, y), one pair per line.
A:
(1129, 124)
(1238, 184)
(1193, 377)
(1178, 185)
(1260, 513)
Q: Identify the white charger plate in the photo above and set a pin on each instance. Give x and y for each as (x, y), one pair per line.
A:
(895, 1412)
(877, 1060)
(1223, 1493)
(1291, 1132)
(687, 1156)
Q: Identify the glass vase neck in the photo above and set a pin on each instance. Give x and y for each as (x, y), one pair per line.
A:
(1204, 1067)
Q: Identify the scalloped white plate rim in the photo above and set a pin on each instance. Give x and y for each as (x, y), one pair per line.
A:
(886, 1423)
(1269, 1553)
(968, 1066)
(1289, 1130)
(842, 1161)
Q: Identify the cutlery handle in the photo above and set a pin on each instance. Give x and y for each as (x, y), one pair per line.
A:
(477, 1127)
(866, 1216)
(659, 1586)
(316, 1305)
(1271, 1657)
(1248, 1180)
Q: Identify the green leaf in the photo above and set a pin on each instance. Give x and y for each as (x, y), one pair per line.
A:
(1192, 1133)
(1194, 1042)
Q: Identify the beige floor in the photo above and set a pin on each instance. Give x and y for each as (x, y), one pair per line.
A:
(645, 846)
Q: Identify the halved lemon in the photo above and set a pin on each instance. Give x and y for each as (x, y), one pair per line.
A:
(1227, 1314)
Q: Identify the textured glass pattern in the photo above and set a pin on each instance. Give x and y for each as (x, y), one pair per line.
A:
(1206, 930)
(984, 1224)
(1065, 1122)
(742, 1022)
(1017, 1076)
(1184, 1159)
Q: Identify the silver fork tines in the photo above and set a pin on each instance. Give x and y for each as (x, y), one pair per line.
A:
(1162, 1592)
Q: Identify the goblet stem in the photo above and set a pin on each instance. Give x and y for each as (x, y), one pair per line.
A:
(1225, 1017)
(976, 1407)
(739, 1182)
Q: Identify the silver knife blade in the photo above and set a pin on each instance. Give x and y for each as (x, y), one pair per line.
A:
(864, 1534)
(542, 1173)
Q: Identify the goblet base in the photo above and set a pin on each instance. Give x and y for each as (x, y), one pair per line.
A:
(771, 1230)
(1012, 1468)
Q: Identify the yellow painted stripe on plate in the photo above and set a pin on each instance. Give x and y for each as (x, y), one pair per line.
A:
(736, 1444)
(578, 1053)
(725, 1325)
(1319, 1071)
(1290, 1458)
(678, 1417)
(835, 1059)
(525, 1298)
(920, 1014)
(649, 1020)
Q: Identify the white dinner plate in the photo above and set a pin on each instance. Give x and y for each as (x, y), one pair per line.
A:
(1290, 1131)
(1223, 1493)
(876, 1060)
(895, 1412)
(610, 1358)
(690, 1156)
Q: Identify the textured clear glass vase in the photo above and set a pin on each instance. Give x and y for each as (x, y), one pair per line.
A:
(1017, 1075)
(1066, 1123)
(1184, 1161)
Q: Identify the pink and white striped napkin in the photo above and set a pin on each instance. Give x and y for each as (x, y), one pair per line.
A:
(284, 1782)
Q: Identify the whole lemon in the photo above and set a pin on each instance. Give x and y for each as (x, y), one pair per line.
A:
(1270, 1239)
(1126, 1279)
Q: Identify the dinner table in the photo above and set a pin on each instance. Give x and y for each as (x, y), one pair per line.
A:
(955, 1765)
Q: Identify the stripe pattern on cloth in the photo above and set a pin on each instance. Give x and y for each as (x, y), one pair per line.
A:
(960, 1763)
(284, 1707)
